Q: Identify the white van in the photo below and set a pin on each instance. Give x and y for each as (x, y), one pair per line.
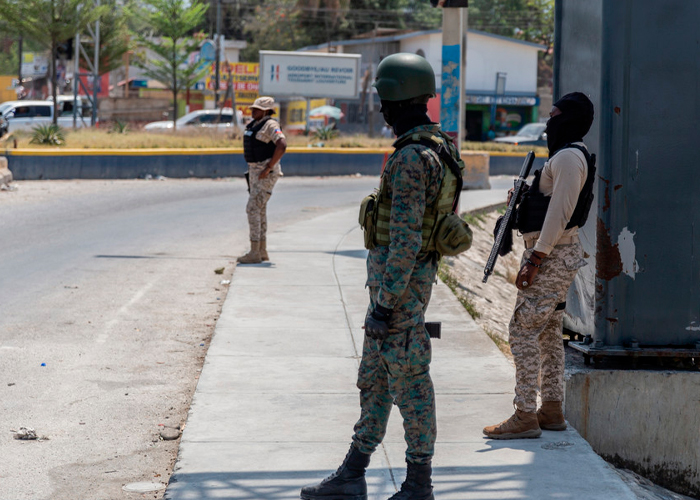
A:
(25, 115)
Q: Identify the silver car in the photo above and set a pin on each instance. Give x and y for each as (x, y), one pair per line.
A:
(219, 120)
(531, 134)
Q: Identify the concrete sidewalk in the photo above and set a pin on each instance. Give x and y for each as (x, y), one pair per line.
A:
(276, 401)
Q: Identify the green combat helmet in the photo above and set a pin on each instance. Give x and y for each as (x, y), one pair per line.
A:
(404, 76)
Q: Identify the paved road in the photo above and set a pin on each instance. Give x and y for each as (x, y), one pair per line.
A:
(108, 300)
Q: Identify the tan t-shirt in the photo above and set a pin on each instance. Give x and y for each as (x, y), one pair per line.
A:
(563, 177)
(271, 131)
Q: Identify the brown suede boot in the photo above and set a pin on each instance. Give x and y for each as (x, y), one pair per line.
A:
(252, 257)
(263, 251)
(520, 425)
(551, 417)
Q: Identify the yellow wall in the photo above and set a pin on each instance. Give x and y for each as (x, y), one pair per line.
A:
(7, 93)
(296, 112)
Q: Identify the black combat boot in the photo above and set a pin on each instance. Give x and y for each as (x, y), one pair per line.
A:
(347, 483)
(417, 485)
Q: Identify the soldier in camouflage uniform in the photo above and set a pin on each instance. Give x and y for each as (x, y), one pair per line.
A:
(263, 147)
(396, 354)
(550, 262)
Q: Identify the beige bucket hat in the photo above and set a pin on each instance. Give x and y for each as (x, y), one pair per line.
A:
(264, 103)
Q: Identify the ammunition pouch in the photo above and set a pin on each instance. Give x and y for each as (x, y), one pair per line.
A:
(452, 236)
(368, 218)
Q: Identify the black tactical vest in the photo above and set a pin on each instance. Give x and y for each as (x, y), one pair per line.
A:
(254, 150)
(533, 207)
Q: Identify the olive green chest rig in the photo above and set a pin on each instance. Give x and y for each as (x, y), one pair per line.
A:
(375, 210)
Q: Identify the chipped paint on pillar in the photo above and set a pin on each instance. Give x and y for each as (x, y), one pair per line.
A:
(626, 246)
(449, 99)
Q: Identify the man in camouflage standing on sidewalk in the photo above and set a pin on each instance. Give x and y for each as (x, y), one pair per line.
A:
(549, 216)
(263, 147)
(401, 269)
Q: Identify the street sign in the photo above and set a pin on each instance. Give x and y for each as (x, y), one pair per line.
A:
(309, 75)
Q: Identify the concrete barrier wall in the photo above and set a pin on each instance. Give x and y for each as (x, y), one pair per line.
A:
(5, 174)
(511, 163)
(203, 163)
(645, 421)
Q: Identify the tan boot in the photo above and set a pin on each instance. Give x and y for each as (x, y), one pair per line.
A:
(520, 425)
(252, 257)
(551, 417)
(263, 251)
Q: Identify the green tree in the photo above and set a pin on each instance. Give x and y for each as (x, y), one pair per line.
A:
(50, 22)
(174, 21)
(115, 36)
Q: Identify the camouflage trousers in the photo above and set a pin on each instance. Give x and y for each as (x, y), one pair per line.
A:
(397, 371)
(260, 192)
(535, 330)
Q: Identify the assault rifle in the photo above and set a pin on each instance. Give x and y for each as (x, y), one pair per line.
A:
(507, 220)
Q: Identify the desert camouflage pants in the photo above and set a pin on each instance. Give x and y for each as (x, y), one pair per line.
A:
(397, 371)
(535, 330)
(260, 192)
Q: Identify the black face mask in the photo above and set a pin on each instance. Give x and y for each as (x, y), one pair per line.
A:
(402, 116)
(572, 124)
(561, 130)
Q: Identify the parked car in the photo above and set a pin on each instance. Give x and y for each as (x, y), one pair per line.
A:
(3, 126)
(66, 102)
(24, 115)
(219, 120)
(531, 134)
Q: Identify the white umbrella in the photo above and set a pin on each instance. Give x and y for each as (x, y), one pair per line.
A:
(330, 111)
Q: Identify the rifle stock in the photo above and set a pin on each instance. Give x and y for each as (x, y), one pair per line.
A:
(507, 222)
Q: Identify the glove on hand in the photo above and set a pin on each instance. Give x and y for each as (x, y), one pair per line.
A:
(377, 323)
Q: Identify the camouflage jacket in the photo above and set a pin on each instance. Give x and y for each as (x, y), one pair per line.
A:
(413, 175)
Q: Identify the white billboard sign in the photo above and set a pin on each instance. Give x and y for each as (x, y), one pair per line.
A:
(306, 74)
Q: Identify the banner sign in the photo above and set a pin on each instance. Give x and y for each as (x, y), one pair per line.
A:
(503, 100)
(244, 79)
(35, 64)
(307, 74)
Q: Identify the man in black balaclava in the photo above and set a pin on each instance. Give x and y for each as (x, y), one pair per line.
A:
(570, 122)
(549, 217)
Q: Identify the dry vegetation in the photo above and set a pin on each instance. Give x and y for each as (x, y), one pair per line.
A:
(106, 138)
(490, 304)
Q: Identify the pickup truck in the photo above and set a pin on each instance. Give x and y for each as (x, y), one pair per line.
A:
(24, 115)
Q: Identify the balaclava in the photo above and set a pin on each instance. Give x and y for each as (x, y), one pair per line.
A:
(572, 124)
(402, 116)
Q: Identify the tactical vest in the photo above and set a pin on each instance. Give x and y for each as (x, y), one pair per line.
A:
(533, 207)
(254, 150)
(446, 201)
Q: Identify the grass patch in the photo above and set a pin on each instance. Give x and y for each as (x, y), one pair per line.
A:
(196, 138)
(502, 209)
(502, 345)
(474, 219)
(453, 285)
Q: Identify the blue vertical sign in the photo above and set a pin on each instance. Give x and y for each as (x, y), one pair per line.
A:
(449, 99)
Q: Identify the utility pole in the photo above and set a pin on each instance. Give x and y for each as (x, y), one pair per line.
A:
(454, 65)
(370, 100)
(93, 66)
(19, 69)
(218, 54)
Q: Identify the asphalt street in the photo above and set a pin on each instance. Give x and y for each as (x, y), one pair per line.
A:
(108, 299)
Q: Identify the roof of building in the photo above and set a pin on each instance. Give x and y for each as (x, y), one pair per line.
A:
(402, 36)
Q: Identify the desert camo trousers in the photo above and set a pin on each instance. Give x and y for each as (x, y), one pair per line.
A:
(397, 371)
(260, 192)
(535, 330)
